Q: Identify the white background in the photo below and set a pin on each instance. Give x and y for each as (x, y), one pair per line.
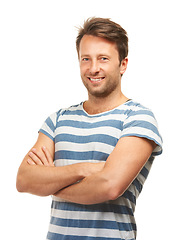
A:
(39, 74)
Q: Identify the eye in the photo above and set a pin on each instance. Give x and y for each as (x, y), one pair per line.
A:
(104, 59)
(85, 59)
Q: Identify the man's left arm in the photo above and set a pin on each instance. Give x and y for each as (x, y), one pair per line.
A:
(121, 168)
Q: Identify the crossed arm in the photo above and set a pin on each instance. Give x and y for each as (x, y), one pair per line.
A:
(121, 168)
(99, 182)
(38, 175)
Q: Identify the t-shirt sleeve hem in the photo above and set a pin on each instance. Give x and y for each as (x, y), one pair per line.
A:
(47, 134)
(157, 151)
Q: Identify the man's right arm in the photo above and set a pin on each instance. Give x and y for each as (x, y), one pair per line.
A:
(43, 180)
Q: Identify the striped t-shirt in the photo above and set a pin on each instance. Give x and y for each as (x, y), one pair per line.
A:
(80, 137)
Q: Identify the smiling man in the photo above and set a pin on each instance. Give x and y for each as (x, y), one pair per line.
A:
(94, 157)
(100, 67)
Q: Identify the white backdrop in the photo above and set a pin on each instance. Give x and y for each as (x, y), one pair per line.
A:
(39, 74)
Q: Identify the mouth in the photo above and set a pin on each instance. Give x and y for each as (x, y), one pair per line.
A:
(96, 79)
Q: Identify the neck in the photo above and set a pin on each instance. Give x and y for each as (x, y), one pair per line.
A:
(96, 105)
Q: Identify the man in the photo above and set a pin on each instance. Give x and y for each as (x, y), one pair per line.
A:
(102, 148)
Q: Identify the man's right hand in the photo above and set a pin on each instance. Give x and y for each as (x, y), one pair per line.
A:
(40, 157)
(37, 174)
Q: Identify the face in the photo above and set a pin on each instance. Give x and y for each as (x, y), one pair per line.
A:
(100, 67)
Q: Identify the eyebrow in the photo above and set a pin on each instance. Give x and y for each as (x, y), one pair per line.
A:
(100, 55)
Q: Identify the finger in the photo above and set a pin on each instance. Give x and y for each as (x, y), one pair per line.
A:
(48, 156)
(31, 162)
(41, 156)
(35, 158)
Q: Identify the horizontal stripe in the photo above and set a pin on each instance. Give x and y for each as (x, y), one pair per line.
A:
(137, 184)
(86, 125)
(90, 232)
(73, 116)
(102, 207)
(150, 161)
(129, 195)
(85, 215)
(78, 147)
(55, 236)
(95, 155)
(107, 130)
(141, 111)
(141, 117)
(98, 224)
(141, 178)
(144, 172)
(98, 138)
(142, 124)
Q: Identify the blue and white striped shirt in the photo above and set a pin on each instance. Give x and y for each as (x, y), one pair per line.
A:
(79, 137)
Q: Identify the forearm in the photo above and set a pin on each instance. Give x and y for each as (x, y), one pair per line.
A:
(91, 190)
(43, 181)
(121, 168)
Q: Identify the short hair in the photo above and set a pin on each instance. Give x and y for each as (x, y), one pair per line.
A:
(107, 29)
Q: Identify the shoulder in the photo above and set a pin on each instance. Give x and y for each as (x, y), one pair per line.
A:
(139, 114)
(140, 121)
(72, 110)
(135, 108)
(50, 124)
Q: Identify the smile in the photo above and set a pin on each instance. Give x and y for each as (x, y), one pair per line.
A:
(95, 79)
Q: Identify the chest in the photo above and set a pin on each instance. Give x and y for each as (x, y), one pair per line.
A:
(81, 139)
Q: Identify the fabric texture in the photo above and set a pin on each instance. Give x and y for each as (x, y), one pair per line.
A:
(79, 137)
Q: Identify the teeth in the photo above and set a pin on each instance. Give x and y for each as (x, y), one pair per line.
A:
(95, 79)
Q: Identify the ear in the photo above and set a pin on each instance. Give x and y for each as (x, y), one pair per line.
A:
(123, 65)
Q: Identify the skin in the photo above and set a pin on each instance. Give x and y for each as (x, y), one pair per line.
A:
(101, 74)
(99, 59)
(120, 170)
(38, 175)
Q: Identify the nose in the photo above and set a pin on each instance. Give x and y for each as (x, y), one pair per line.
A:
(94, 67)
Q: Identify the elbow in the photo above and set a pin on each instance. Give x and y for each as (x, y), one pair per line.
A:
(24, 185)
(110, 189)
(114, 191)
(113, 194)
(20, 184)
(19, 187)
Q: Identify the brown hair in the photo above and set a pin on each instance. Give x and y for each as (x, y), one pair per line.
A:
(107, 29)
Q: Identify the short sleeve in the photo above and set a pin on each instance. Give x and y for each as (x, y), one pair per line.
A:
(141, 122)
(48, 127)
